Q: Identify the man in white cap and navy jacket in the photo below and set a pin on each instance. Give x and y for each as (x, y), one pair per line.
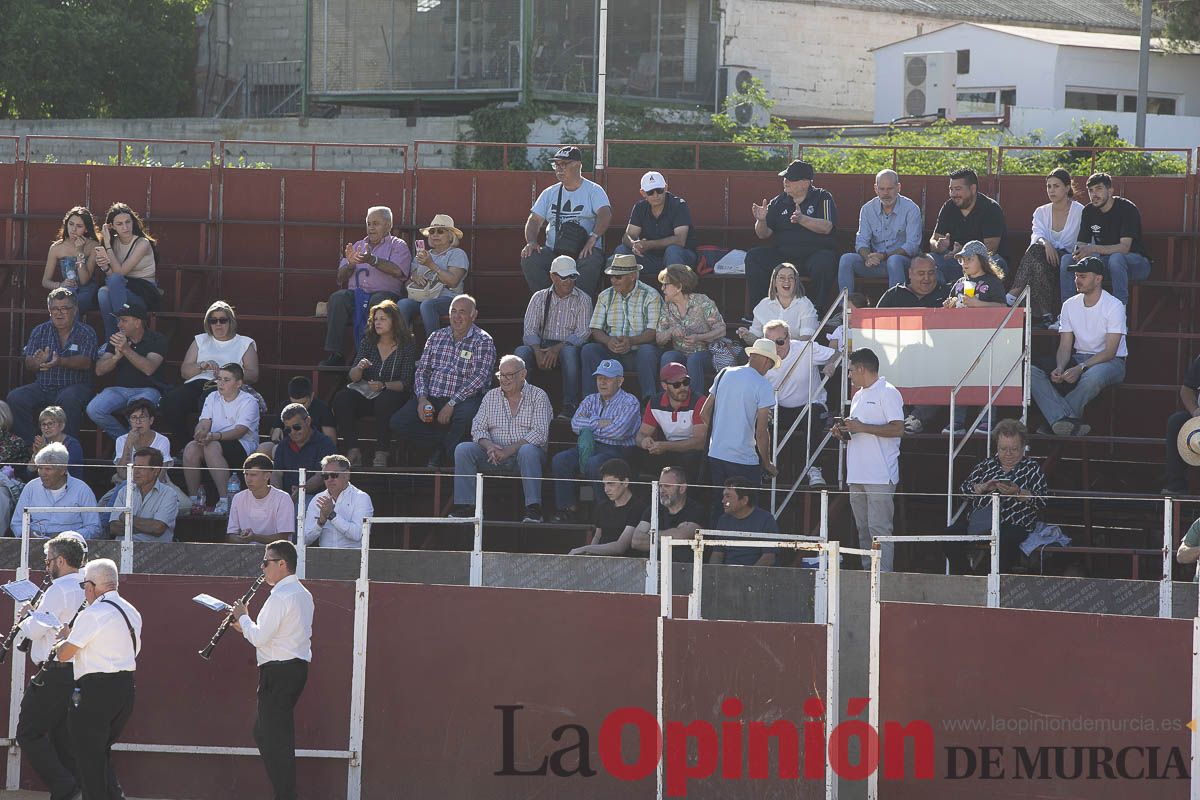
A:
(660, 230)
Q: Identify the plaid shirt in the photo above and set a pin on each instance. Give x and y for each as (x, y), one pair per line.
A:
(627, 315)
(1027, 474)
(455, 369)
(614, 422)
(81, 342)
(567, 320)
(495, 420)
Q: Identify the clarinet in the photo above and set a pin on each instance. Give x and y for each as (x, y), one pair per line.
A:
(7, 644)
(39, 677)
(226, 623)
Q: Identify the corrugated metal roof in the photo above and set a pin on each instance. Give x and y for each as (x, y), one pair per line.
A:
(1109, 14)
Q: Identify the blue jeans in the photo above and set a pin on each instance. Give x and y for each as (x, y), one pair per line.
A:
(1122, 268)
(565, 466)
(28, 401)
(699, 365)
(1054, 406)
(470, 458)
(951, 270)
(568, 362)
(85, 295)
(111, 296)
(653, 261)
(407, 423)
(644, 360)
(431, 311)
(852, 265)
(113, 399)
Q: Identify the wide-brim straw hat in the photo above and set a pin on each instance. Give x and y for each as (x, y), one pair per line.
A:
(442, 221)
(1188, 442)
(766, 348)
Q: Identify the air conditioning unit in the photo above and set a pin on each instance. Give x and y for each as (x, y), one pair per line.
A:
(929, 84)
(732, 79)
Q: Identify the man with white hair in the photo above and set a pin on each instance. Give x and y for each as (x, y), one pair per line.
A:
(509, 434)
(797, 383)
(379, 265)
(889, 235)
(56, 489)
(103, 644)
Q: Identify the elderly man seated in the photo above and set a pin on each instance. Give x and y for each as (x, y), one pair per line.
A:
(53, 487)
(605, 424)
(625, 325)
(673, 430)
(453, 371)
(509, 434)
(155, 504)
(556, 329)
(378, 264)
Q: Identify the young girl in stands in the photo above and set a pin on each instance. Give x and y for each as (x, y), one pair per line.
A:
(981, 286)
(73, 258)
(128, 259)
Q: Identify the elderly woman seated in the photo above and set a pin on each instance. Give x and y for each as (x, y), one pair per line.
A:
(437, 274)
(1021, 484)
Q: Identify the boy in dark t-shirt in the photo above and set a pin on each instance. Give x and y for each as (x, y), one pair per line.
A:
(616, 516)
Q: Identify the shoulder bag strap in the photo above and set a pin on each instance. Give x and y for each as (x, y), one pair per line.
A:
(558, 213)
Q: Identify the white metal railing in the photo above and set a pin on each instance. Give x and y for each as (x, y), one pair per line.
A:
(811, 453)
(993, 392)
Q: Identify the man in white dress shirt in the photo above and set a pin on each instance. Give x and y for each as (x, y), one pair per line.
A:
(104, 644)
(335, 516)
(282, 639)
(42, 726)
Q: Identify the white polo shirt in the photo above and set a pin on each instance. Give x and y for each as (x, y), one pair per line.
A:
(875, 459)
(103, 638)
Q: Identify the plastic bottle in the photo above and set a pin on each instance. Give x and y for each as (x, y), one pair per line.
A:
(232, 487)
(197, 503)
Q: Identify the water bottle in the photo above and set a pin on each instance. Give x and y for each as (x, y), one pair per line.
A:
(69, 272)
(7, 471)
(197, 503)
(75, 695)
(233, 487)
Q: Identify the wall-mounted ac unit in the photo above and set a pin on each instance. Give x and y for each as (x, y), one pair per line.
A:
(929, 84)
(732, 79)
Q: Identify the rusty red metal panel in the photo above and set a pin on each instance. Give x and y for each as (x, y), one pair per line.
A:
(502, 198)
(771, 668)
(745, 189)
(1012, 679)
(366, 189)
(622, 185)
(1160, 199)
(448, 191)
(53, 188)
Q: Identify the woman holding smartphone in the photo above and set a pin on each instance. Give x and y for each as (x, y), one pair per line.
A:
(128, 258)
(437, 275)
(73, 258)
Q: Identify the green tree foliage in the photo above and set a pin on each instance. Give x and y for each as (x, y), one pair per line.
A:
(1182, 18)
(96, 58)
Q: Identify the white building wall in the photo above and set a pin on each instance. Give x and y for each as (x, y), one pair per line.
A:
(1118, 69)
(1161, 131)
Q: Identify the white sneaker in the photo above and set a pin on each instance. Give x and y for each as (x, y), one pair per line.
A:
(222, 507)
(957, 430)
(913, 425)
(815, 478)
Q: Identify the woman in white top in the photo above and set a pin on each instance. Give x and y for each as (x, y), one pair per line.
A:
(219, 344)
(1055, 229)
(128, 259)
(785, 300)
(443, 264)
(226, 434)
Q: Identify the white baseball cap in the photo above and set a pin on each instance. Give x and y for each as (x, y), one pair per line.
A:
(653, 180)
(564, 267)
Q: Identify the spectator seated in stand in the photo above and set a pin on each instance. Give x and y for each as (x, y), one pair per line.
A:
(1055, 231)
(679, 516)
(508, 435)
(300, 390)
(605, 423)
(1189, 548)
(14, 452)
(660, 230)
(616, 516)
(1022, 487)
(377, 266)
(981, 286)
(889, 235)
(690, 323)
(129, 259)
(61, 352)
(226, 433)
(624, 326)
(220, 343)
(54, 487)
(923, 289)
(53, 423)
(334, 517)
(72, 257)
(1091, 353)
(304, 448)
(741, 513)
(154, 502)
(1180, 455)
(797, 383)
(451, 376)
(556, 329)
(141, 415)
(260, 512)
(1110, 228)
(966, 216)
(786, 301)
(673, 432)
(381, 382)
(134, 355)
(437, 274)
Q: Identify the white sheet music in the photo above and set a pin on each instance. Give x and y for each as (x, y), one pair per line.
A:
(210, 602)
(21, 591)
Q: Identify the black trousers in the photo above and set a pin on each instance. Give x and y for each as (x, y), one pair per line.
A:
(105, 705)
(279, 686)
(820, 265)
(42, 731)
(1176, 466)
(176, 405)
(349, 405)
(958, 553)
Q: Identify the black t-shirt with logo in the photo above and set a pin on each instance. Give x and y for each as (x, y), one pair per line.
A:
(1110, 227)
(675, 214)
(817, 203)
(985, 221)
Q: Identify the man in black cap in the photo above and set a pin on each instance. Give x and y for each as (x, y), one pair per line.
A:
(576, 213)
(135, 356)
(799, 221)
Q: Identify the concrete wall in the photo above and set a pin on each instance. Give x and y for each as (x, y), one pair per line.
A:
(1161, 131)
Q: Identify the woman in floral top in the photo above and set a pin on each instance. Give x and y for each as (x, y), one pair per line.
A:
(689, 324)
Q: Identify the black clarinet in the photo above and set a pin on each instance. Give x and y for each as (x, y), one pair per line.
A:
(7, 644)
(39, 677)
(226, 623)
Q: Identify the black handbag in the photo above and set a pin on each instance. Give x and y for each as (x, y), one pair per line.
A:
(569, 237)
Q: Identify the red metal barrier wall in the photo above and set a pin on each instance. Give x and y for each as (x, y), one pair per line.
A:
(1008, 679)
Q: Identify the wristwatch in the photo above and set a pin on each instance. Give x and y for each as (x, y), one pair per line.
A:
(332, 516)
(374, 260)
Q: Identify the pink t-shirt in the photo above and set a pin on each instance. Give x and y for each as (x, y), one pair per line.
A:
(273, 514)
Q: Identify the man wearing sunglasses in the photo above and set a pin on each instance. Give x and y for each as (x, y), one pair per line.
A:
(334, 517)
(797, 383)
(673, 432)
(303, 448)
(660, 230)
(556, 329)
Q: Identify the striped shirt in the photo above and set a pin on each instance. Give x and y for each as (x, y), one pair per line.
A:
(1013, 511)
(565, 321)
(81, 341)
(615, 422)
(455, 369)
(496, 422)
(627, 315)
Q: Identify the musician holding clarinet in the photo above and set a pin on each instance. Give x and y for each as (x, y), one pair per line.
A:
(103, 643)
(282, 637)
(42, 726)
